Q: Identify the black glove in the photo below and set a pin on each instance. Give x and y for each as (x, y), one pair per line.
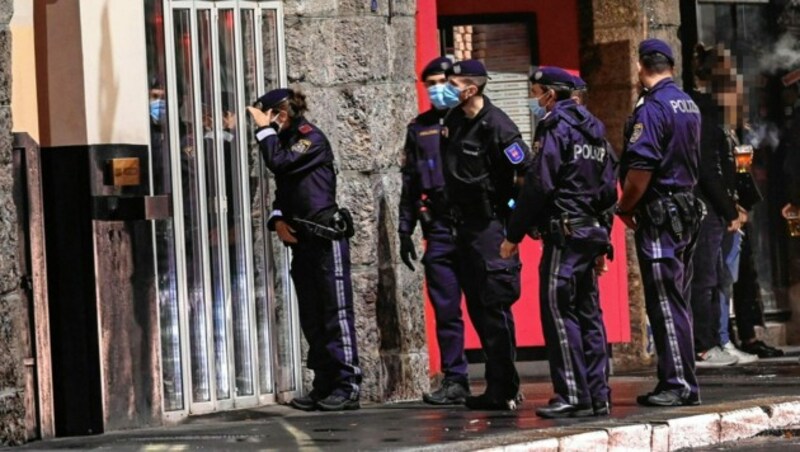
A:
(407, 251)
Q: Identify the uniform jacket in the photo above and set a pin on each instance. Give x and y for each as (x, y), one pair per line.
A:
(663, 136)
(573, 171)
(302, 161)
(482, 158)
(716, 185)
(422, 169)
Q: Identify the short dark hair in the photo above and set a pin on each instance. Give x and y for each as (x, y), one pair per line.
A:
(477, 80)
(563, 92)
(656, 62)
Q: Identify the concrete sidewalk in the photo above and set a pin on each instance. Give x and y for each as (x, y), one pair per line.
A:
(738, 402)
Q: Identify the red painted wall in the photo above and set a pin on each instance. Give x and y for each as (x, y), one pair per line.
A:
(558, 40)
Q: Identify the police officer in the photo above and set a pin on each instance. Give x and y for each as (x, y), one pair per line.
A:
(483, 157)
(659, 168)
(569, 195)
(306, 218)
(422, 199)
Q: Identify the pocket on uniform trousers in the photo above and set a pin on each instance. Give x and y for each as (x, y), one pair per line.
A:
(502, 285)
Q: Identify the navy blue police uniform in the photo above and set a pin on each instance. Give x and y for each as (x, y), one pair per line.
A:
(568, 196)
(663, 137)
(483, 157)
(423, 200)
(302, 161)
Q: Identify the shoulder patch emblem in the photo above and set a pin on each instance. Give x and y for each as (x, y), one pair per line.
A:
(637, 132)
(301, 147)
(305, 129)
(514, 153)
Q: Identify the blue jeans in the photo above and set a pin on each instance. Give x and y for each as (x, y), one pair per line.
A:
(731, 250)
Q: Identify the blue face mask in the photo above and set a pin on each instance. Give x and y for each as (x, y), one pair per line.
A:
(451, 95)
(157, 110)
(436, 95)
(537, 110)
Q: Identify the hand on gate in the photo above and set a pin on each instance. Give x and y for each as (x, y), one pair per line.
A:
(407, 251)
(508, 249)
(285, 232)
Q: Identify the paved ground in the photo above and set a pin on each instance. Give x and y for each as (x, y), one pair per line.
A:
(414, 425)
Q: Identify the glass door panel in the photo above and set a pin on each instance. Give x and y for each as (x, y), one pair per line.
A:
(214, 200)
(191, 207)
(236, 212)
(285, 323)
(258, 204)
(166, 262)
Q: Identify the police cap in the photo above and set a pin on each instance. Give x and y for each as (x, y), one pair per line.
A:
(552, 75)
(436, 66)
(651, 46)
(579, 83)
(468, 68)
(273, 98)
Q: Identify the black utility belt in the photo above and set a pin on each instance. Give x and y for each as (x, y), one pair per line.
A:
(678, 212)
(565, 226)
(339, 226)
(561, 228)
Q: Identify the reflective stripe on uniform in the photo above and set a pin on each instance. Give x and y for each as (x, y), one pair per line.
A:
(341, 302)
(563, 339)
(666, 312)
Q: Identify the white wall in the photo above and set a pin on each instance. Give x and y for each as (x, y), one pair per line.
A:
(24, 108)
(115, 71)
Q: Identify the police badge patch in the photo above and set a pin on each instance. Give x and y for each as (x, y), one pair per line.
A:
(301, 146)
(514, 153)
(637, 132)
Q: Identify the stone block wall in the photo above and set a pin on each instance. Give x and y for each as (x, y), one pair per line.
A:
(610, 34)
(12, 318)
(357, 68)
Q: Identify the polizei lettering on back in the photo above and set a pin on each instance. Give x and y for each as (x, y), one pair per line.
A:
(589, 152)
(684, 106)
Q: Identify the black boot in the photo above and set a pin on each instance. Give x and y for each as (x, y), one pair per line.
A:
(450, 393)
(558, 409)
(307, 402)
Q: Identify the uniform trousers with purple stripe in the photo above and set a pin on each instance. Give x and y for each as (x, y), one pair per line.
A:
(321, 275)
(666, 265)
(441, 277)
(572, 320)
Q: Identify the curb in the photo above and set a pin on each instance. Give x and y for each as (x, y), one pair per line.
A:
(744, 420)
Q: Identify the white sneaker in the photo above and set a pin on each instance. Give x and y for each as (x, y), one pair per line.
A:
(744, 358)
(715, 357)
